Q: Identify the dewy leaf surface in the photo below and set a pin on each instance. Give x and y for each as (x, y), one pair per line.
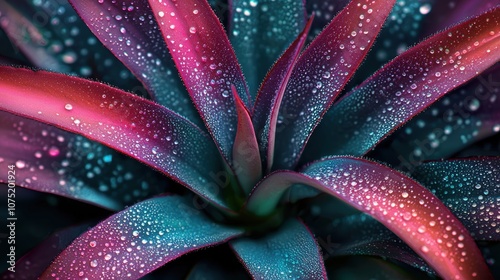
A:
(51, 160)
(470, 188)
(207, 64)
(259, 39)
(405, 207)
(144, 236)
(289, 253)
(54, 38)
(408, 85)
(129, 30)
(266, 108)
(142, 129)
(321, 73)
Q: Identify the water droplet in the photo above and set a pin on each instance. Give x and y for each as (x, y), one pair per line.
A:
(192, 30)
(425, 9)
(93, 263)
(20, 164)
(425, 249)
(53, 151)
(404, 194)
(161, 14)
(68, 107)
(93, 244)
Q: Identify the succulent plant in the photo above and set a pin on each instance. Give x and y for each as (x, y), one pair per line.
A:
(283, 148)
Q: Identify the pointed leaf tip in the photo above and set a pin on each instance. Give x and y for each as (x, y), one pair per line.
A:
(322, 71)
(246, 156)
(207, 64)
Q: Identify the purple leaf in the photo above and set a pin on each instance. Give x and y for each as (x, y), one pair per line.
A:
(33, 264)
(144, 236)
(207, 64)
(406, 86)
(128, 29)
(402, 205)
(127, 123)
(470, 188)
(266, 108)
(321, 73)
(245, 149)
(291, 250)
(51, 160)
(259, 38)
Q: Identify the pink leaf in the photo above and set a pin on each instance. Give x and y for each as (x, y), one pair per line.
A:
(405, 207)
(206, 62)
(127, 123)
(245, 149)
(407, 86)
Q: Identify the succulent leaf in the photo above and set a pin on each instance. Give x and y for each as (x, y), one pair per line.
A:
(291, 252)
(470, 188)
(143, 52)
(245, 149)
(321, 73)
(406, 86)
(266, 108)
(51, 160)
(259, 39)
(207, 65)
(146, 236)
(402, 205)
(117, 119)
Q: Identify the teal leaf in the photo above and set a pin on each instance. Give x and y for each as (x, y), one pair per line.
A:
(470, 188)
(259, 38)
(145, 236)
(289, 253)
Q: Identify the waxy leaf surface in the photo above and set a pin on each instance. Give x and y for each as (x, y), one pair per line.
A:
(207, 64)
(145, 236)
(321, 73)
(402, 205)
(406, 86)
(259, 39)
(470, 188)
(291, 252)
(127, 123)
(129, 30)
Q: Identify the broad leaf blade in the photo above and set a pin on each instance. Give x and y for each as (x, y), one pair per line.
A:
(470, 188)
(266, 108)
(291, 252)
(207, 64)
(260, 31)
(321, 73)
(127, 28)
(51, 160)
(402, 205)
(408, 85)
(129, 124)
(145, 236)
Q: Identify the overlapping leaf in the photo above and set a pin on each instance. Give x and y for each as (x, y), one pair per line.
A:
(132, 125)
(406, 208)
(129, 30)
(207, 64)
(54, 38)
(266, 108)
(51, 160)
(470, 188)
(407, 86)
(291, 252)
(322, 71)
(259, 39)
(465, 116)
(144, 236)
